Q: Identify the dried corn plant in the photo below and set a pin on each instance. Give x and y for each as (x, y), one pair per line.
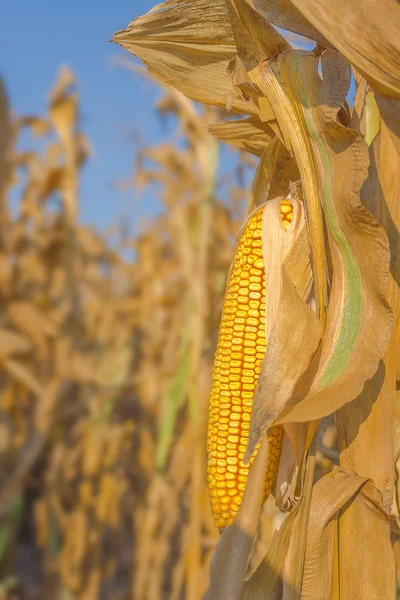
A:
(106, 364)
(310, 321)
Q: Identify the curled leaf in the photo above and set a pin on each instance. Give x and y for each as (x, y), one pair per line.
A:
(284, 14)
(292, 328)
(229, 563)
(250, 134)
(357, 29)
(352, 504)
(359, 319)
(190, 47)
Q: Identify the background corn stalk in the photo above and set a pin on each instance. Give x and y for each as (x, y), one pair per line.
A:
(105, 364)
(339, 357)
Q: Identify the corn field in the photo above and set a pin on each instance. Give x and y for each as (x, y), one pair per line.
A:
(217, 417)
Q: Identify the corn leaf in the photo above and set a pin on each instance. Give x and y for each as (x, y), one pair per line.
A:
(249, 134)
(365, 571)
(279, 574)
(286, 109)
(284, 14)
(367, 424)
(174, 402)
(231, 557)
(291, 327)
(372, 119)
(274, 174)
(190, 47)
(359, 319)
(357, 30)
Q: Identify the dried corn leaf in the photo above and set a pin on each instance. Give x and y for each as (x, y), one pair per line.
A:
(63, 106)
(39, 127)
(372, 118)
(366, 33)
(31, 322)
(291, 327)
(291, 122)
(229, 563)
(284, 14)
(260, 29)
(381, 192)
(359, 319)
(189, 47)
(280, 572)
(65, 80)
(249, 134)
(365, 571)
(369, 422)
(264, 175)
(12, 343)
(23, 375)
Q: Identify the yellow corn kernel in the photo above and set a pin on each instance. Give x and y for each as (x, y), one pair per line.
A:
(241, 355)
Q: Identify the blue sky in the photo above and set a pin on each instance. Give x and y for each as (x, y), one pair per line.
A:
(37, 37)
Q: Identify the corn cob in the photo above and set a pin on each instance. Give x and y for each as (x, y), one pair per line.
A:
(240, 350)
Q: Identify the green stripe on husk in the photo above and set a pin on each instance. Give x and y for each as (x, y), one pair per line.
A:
(352, 315)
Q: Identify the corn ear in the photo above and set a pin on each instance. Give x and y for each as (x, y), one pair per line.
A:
(240, 351)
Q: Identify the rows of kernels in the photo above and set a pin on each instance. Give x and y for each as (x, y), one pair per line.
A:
(274, 454)
(240, 350)
(286, 212)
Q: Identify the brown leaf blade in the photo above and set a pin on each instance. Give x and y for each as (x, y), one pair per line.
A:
(359, 319)
(364, 569)
(229, 563)
(189, 46)
(284, 14)
(249, 134)
(292, 329)
(366, 33)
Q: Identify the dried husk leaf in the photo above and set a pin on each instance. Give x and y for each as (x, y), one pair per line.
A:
(358, 30)
(367, 427)
(367, 570)
(279, 575)
(12, 343)
(359, 319)
(292, 329)
(255, 23)
(264, 175)
(286, 108)
(249, 134)
(190, 47)
(277, 243)
(23, 375)
(229, 563)
(284, 499)
(31, 322)
(284, 14)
